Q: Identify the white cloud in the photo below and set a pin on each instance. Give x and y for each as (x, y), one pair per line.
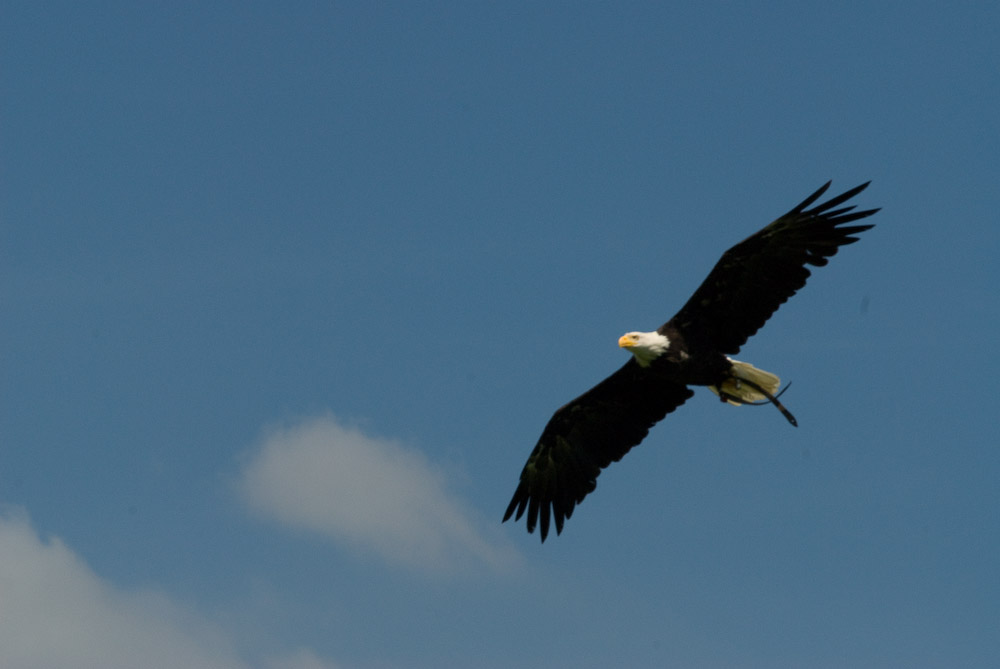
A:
(372, 493)
(56, 612)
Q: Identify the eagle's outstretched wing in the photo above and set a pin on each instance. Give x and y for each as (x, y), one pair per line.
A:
(758, 275)
(585, 436)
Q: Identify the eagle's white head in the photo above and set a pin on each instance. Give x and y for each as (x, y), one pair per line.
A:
(645, 346)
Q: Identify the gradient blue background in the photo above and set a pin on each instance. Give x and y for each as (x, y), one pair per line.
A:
(432, 221)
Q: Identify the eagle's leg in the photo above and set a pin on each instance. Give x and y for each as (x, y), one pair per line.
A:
(726, 397)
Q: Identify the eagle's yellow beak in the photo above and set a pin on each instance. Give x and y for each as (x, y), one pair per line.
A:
(626, 341)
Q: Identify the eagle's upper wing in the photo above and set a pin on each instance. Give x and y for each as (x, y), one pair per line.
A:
(759, 274)
(585, 436)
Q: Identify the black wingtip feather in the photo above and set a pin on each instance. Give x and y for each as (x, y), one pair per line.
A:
(836, 201)
(812, 198)
(516, 500)
(546, 511)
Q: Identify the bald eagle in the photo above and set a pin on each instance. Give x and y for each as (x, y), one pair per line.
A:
(746, 286)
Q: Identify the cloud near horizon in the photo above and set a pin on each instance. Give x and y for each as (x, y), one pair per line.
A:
(56, 612)
(372, 493)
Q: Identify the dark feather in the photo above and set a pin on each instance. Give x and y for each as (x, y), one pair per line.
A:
(758, 275)
(585, 436)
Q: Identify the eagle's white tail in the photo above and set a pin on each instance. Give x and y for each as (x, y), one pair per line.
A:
(743, 392)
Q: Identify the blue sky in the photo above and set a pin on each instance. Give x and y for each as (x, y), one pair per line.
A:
(290, 290)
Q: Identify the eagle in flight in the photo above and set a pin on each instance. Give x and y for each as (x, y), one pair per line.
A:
(746, 286)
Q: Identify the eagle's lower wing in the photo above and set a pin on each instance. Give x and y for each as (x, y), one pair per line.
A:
(755, 277)
(585, 436)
